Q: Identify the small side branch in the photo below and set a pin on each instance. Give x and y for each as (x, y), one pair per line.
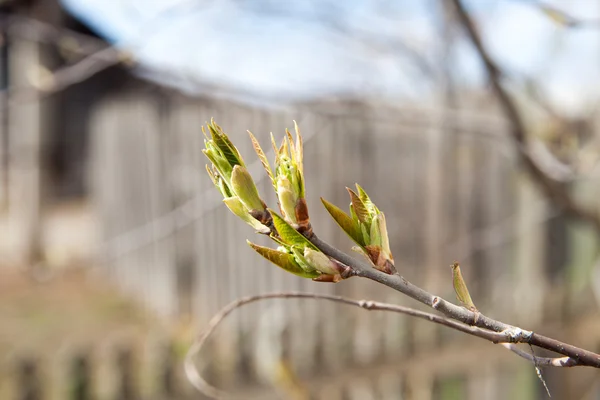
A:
(555, 191)
(512, 334)
(203, 386)
(541, 361)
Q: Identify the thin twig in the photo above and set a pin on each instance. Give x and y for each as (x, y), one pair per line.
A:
(541, 361)
(360, 268)
(555, 191)
(200, 383)
(66, 76)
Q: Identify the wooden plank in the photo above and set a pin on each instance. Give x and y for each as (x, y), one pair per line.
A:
(25, 140)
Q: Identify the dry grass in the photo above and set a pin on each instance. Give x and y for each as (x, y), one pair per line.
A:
(66, 309)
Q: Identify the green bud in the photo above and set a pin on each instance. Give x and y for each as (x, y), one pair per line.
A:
(219, 161)
(218, 181)
(301, 260)
(365, 235)
(287, 199)
(285, 260)
(460, 287)
(320, 262)
(289, 180)
(375, 235)
(237, 207)
(385, 241)
(243, 186)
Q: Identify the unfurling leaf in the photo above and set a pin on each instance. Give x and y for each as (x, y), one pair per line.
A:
(221, 140)
(287, 199)
(320, 262)
(283, 260)
(263, 158)
(289, 181)
(299, 149)
(385, 240)
(343, 220)
(288, 234)
(244, 187)
(375, 234)
(364, 197)
(359, 207)
(460, 287)
(235, 206)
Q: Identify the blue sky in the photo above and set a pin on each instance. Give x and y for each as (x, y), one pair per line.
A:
(292, 53)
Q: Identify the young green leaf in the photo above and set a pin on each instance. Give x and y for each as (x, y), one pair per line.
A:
(460, 287)
(235, 206)
(359, 207)
(221, 140)
(299, 148)
(375, 234)
(263, 158)
(288, 234)
(283, 260)
(320, 262)
(344, 221)
(369, 205)
(244, 187)
(287, 200)
(299, 257)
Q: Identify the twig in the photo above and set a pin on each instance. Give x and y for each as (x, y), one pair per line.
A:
(555, 191)
(99, 56)
(518, 335)
(200, 383)
(43, 32)
(94, 63)
(541, 361)
(66, 76)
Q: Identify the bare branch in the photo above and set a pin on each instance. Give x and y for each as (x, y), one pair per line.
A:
(514, 334)
(98, 57)
(66, 76)
(541, 361)
(555, 191)
(43, 32)
(198, 381)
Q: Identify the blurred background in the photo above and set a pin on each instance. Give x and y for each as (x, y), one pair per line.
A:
(115, 248)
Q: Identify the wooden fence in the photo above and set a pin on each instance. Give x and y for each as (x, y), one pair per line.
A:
(447, 181)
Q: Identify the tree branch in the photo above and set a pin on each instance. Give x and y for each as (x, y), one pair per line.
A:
(203, 386)
(98, 57)
(541, 361)
(555, 191)
(514, 334)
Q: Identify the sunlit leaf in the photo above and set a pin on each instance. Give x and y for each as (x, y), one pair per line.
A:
(274, 145)
(299, 255)
(344, 221)
(359, 207)
(287, 200)
(299, 148)
(262, 157)
(366, 238)
(235, 206)
(320, 262)
(283, 260)
(370, 206)
(244, 187)
(375, 234)
(225, 145)
(460, 287)
(292, 145)
(288, 234)
(385, 240)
